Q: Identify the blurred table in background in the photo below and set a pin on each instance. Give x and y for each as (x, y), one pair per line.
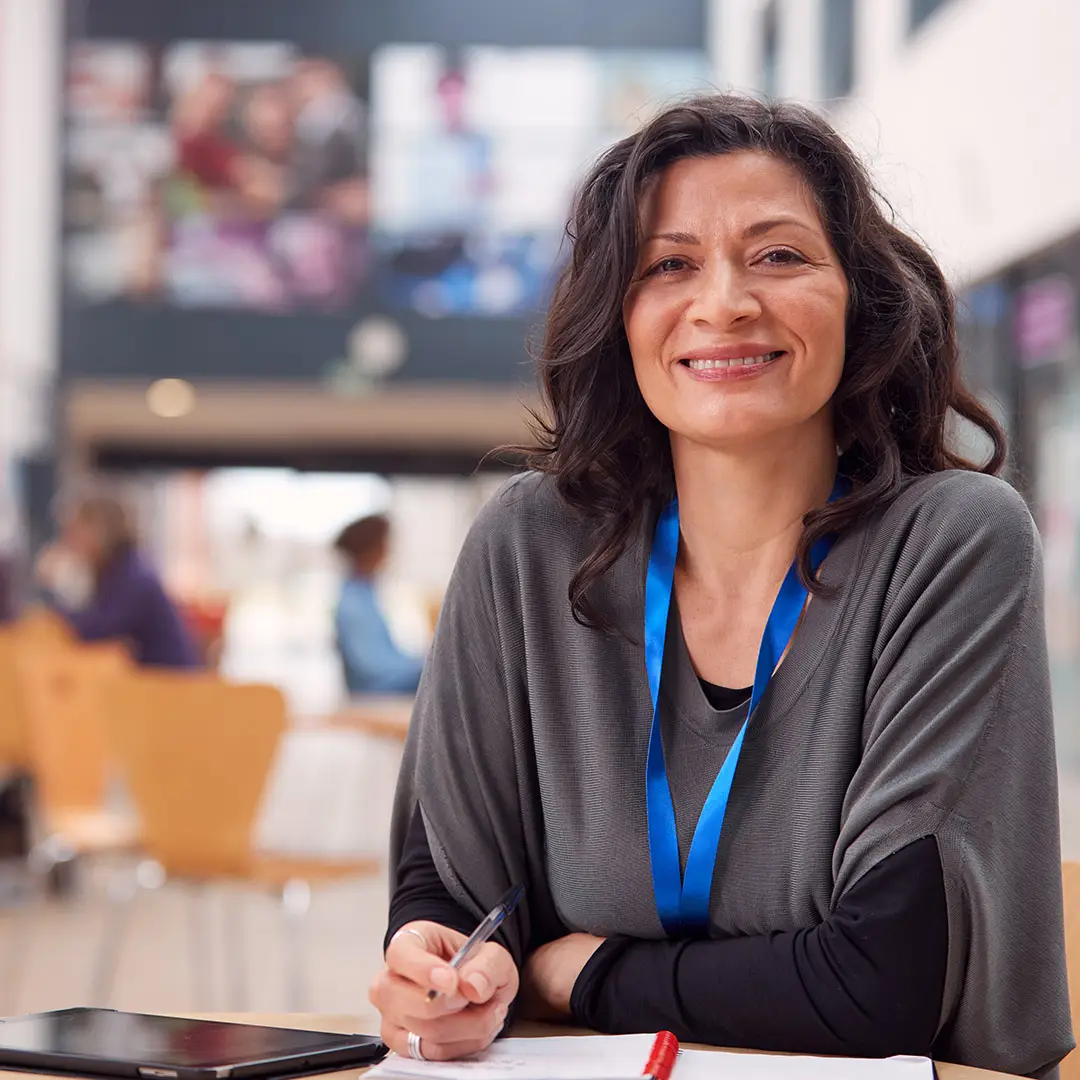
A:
(384, 717)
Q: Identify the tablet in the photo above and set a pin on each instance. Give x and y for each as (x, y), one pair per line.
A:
(104, 1042)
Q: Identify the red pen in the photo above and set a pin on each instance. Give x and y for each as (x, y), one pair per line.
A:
(665, 1049)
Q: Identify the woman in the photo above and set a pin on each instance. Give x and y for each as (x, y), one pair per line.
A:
(741, 329)
(127, 601)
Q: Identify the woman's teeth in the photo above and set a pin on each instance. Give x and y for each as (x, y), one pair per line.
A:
(742, 361)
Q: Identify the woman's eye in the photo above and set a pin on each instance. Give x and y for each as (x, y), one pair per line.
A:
(782, 257)
(670, 265)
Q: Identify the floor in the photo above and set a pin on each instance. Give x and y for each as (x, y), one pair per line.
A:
(162, 970)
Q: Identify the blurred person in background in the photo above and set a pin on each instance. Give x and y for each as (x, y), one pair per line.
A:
(106, 589)
(372, 661)
(329, 155)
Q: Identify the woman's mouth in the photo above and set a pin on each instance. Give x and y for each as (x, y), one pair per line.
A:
(737, 362)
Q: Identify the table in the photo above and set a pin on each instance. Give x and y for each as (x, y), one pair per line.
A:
(368, 1022)
(384, 717)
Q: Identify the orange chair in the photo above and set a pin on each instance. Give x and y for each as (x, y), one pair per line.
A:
(196, 752)
(67, 737)
(1070, 876)
(40, 629)
(61, 690)
(12, 710)
(41, 625)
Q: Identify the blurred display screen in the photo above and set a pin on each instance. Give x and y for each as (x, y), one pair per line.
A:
(251, 176)
(226, 175)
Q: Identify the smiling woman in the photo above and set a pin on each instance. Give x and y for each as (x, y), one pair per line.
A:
(746, 683)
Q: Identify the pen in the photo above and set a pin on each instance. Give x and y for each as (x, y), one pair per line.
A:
(661, 1062)
(492, 921)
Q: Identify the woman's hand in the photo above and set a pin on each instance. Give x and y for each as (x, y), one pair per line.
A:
(550, 974)
(473, 1000)
(50, 566)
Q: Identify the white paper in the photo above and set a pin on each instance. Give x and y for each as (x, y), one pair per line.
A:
(565, 1057)
(707, 1065)
(623, 1057)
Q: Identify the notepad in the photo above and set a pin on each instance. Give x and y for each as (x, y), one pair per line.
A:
(623, 1057)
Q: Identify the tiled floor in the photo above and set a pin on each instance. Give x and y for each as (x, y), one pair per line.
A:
(162, 970)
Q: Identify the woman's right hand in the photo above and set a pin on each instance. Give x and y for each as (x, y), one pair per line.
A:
(473, 1000)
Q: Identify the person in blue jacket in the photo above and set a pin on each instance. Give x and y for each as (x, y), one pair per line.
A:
(371, 659)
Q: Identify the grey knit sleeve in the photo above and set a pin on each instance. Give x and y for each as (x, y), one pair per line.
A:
(958, 743)
(468, 763)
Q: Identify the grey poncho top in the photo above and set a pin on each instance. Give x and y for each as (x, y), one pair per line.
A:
(914, 701)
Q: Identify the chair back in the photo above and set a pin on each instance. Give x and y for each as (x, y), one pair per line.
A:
(195, 752)
(1070, 879)
(67, 740)
(44, 627)
(12, 711)
(37, 629)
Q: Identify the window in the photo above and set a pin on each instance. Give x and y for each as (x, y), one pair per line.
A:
(770, 50)
(838, 59)
(921, 10)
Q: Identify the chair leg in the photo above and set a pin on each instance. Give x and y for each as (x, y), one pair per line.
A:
(295, 903)
(122, 890)
(234, 932)
(200, 938)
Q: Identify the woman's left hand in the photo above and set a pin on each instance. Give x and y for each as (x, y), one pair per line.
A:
(550, 973)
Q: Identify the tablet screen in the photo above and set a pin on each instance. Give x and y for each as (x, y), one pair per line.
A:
(158, 1040)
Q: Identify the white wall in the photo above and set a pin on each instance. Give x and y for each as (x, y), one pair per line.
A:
(30, 44)
(970, 126)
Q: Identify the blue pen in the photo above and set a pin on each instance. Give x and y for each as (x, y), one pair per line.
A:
(492, 921)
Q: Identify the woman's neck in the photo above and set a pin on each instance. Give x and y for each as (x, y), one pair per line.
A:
(741, 511)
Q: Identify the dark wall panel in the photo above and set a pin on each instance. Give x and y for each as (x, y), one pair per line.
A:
(601, 23)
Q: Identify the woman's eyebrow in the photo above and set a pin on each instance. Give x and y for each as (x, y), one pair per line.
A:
(758, 228)
(674, 238)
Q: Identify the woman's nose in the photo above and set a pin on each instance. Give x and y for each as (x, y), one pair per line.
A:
(723, 297)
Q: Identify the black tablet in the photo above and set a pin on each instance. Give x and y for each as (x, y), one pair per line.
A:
(104, 1042)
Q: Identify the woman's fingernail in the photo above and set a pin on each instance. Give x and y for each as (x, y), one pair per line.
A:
(480, 983)
(443, 978)
(501, 1013)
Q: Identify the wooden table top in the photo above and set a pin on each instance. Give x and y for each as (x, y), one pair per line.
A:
(368, 1022)
(384, 717)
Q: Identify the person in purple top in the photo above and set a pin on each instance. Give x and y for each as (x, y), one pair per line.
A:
(126, 599)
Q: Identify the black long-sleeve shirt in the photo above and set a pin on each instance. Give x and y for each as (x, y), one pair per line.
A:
(868, 980)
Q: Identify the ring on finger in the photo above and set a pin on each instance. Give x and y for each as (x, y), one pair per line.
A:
(415, 1051)
(416, 934)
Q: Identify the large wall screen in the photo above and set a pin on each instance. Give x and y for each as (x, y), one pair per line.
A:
(249, 192)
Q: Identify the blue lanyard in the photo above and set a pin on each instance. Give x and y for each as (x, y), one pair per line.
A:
(683, 902)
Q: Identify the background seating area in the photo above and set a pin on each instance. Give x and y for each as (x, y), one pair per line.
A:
(183, 808)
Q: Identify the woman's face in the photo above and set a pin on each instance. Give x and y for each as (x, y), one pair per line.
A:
(82, 538)
(736, 314)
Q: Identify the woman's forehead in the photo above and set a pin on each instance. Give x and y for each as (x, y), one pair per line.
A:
(727, 191)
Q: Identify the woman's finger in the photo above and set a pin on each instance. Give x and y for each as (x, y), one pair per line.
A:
(397, 1038)
(400, 998)
(407, 956)
(475, 1023)
(490, 974)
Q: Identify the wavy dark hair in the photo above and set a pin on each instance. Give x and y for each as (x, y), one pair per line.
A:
(901, 386)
